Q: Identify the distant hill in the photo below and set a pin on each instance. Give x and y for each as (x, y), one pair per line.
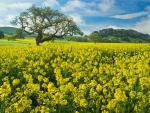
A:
(12, 31)
(121, 35)
(8, 30)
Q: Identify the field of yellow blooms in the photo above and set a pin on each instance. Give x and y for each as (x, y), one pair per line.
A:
(75, 78)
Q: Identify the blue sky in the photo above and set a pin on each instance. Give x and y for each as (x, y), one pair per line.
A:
(90, 15)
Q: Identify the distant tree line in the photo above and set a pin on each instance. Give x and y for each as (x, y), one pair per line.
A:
(112, 35)
(10, 37)
(104, 35)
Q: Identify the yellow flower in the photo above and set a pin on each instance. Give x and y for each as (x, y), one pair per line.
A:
(16, 82)
(46, 80)
(40, 78)
(83, 102)
(120, 95)
(99, 88)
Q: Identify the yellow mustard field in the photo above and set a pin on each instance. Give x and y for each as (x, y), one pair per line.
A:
(75, 78)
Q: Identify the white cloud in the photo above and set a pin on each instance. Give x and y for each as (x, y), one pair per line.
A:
(89, 28)
(106, 5)
(17, 5)
(147, 8)
(131, 16)
(51, 3)
(75, 4)
(78, 19)
(92, 8)
(116, 27)
(81, 7)
(6, 20)
(9, 10)
(9, 17)
(90, 12)
(143, 25)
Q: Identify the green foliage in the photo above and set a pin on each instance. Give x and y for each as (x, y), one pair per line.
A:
(17, 42)
(10, 37)
(94, 37)
(14, 31)
(76, 38)
(8, 30)
(119, 35)
(19, 33)
(112, 35)
(44, 20)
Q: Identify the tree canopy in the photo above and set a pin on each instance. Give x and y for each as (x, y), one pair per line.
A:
(44, 20)
(118, 35)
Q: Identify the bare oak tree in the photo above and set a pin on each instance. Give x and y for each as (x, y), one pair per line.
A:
(44, 20)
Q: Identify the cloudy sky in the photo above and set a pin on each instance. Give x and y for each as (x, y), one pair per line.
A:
(90, 15)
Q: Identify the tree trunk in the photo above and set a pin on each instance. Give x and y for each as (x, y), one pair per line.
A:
(38, 38)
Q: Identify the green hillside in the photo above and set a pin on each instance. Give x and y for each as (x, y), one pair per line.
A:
(12, 31)
(8, 30)
(119, 35)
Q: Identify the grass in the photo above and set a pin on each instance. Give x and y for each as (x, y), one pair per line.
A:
(17, 42)
(27, 42)
(31, 42)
